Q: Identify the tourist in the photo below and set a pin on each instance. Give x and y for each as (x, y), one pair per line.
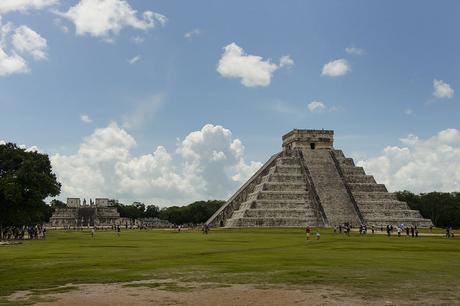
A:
(416, 232)
(448, 232)
(118, 230)
(335, 230)
(431, 229)
(307, 231)
(407, 231)
(340, 228)
(412, 231)
(318, 235)
(372, 229)
(399, 231)
(92, 232)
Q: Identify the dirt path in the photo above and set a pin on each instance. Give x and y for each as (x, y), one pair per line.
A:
(174, 293)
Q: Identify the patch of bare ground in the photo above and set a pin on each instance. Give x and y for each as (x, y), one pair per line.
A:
(170, 292)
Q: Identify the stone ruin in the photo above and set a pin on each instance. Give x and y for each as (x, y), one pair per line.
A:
(102, 212)
(311, 183)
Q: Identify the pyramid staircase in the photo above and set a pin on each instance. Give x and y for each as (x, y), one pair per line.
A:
(281, 199)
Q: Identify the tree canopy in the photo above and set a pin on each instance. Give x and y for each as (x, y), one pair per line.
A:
(441, 207)
(196, 212)
(26, 179)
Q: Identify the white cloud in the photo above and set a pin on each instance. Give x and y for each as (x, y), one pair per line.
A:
(15, 40)
(355, 51)
(252, 69)
(105, 18)
(27, 41)
(142, 111)
(11, 64)
(419, 165)
(209, 164)
(286, 61)
(442, 90)
(2, 142)
(134, 59)
(24, 5)
(86, 119)
(10, 61)
(192, 33)
(336, 68)
(316, 106)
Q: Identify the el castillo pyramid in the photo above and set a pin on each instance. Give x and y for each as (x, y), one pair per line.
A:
(311, 183)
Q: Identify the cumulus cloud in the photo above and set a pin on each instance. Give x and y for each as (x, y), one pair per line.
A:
(319, 106)
(286, 61)
(253, 70)
(336, 68)
(316, 106)
(24, 5)
(27, 41)
(134, 59)
(192, 33)
(17, 43)
(86, 119)
(11, 63)
(355, 51)
(105, 18)
(419, 165)
(442, 90)
(209, 164)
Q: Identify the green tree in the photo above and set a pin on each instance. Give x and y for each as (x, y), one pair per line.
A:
(196, 212)
(26, 179)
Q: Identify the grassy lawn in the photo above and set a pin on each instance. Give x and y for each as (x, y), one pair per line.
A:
(374, 265)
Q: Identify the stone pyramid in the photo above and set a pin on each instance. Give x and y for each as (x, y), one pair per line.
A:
(311, 183)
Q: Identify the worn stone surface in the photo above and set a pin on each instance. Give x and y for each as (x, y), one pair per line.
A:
(311, 183)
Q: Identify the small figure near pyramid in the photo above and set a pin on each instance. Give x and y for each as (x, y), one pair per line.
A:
(310, 183)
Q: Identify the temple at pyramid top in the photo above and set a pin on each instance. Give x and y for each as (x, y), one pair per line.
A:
(311, 183)
(308, 139)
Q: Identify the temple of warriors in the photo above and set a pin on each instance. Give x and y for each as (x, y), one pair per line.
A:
(102, 212)
(311, 183)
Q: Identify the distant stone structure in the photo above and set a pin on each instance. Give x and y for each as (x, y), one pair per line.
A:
(311, 183)
(101, 213)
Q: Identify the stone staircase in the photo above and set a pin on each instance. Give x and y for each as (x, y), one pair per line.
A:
(375, 204)
(281, 199)
(330, 187)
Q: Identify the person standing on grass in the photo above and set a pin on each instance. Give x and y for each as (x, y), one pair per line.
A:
(118, 230)
(92, 232)
(399, 231)
(307, 231)
(372, 229)
(318, 235)
(407, 231)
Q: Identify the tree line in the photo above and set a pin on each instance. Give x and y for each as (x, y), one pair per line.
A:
(194, 213)
(442, 208)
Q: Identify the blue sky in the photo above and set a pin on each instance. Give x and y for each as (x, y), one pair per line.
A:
(386, 91)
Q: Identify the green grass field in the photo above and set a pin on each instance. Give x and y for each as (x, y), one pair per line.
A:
(374, 265)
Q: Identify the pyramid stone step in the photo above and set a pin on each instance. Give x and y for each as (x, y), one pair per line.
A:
(278, 195)
(277, 213)
(373, 196)
(349, 170)
(396, 213)
(366, 187)
(274, 186)
(282, 178)
(382, 204)
(270, 222)
(369, 179)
